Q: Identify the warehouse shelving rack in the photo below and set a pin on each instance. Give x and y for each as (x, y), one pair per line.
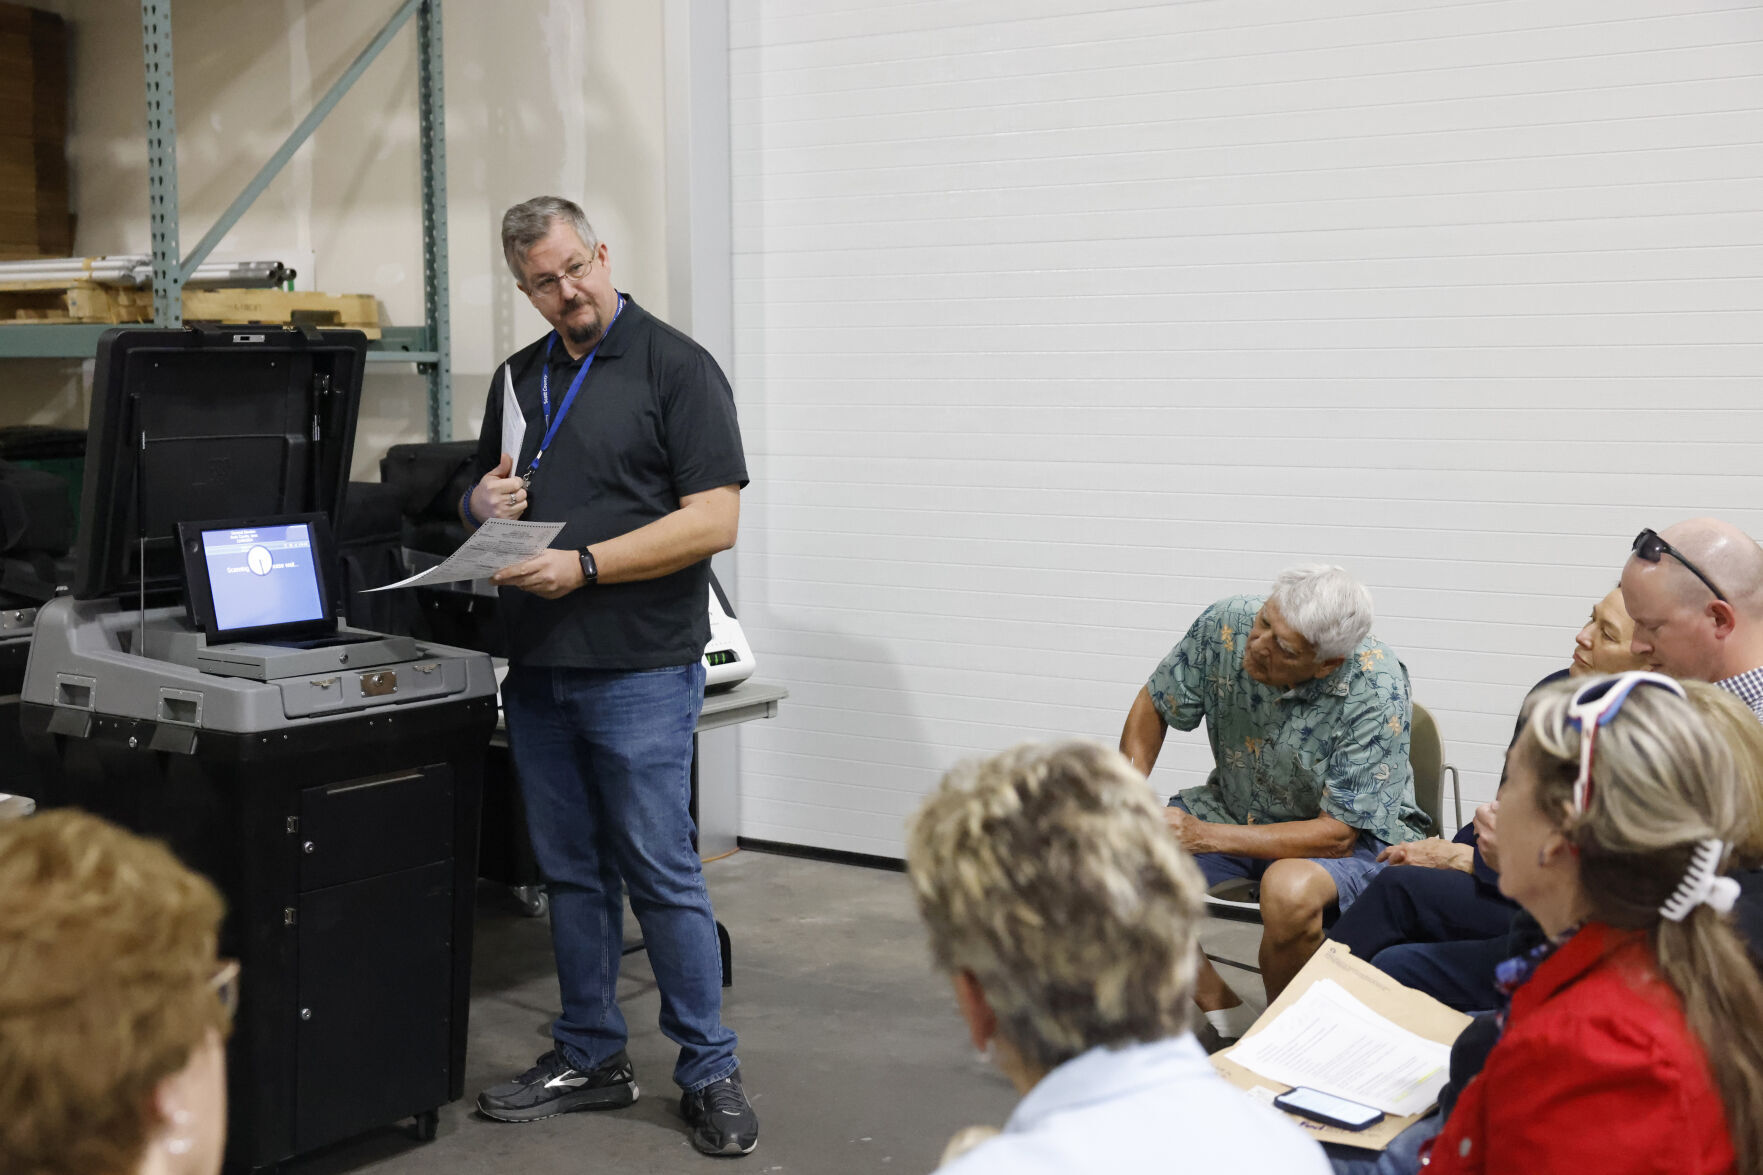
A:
(429, 346)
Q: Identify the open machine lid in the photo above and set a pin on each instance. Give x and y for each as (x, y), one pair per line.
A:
(209, 422)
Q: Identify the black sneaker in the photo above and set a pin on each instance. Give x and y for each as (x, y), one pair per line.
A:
(722, 1120)
(551, 1087)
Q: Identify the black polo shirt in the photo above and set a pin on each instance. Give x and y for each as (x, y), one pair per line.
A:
(653, 422)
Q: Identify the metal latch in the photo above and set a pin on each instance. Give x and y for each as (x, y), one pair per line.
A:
(379, 683)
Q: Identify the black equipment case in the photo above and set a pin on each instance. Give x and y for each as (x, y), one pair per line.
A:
(331, 792)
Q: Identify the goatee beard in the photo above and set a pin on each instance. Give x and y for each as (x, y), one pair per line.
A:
(584, 336)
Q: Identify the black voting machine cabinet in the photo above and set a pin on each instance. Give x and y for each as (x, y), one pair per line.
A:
(330, 788)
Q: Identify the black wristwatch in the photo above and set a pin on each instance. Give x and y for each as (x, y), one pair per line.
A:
(590, 571)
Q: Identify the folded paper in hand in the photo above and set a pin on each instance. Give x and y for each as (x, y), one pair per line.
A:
(513, 420)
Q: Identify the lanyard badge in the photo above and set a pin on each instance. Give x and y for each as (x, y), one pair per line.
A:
(551, 426)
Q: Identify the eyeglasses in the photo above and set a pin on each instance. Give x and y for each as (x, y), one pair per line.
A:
(225, 984)
(548, 286)
(1595, 704)
(1648, 546)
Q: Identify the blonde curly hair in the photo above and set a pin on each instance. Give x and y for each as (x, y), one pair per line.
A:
(1047, 872)
(107, 952)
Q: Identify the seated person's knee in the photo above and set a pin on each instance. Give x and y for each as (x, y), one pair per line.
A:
(1295, 894)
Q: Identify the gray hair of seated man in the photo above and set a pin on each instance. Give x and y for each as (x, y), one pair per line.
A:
(1047, 873)
(1328, 607)
(526, 224)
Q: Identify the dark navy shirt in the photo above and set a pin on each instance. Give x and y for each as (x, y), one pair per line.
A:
(654, 422)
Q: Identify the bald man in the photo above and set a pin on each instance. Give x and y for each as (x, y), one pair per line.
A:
(1695, 591)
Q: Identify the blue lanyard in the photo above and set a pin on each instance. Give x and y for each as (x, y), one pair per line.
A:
(551, 426)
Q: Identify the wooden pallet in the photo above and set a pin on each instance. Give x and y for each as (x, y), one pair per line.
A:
(50, 302)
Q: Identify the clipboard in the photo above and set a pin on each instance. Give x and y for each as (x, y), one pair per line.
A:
(1416, 1011)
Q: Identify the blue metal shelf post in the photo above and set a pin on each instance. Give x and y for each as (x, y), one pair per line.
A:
(427, 346)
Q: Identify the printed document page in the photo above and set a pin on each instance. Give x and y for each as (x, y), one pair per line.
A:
(513, 423)
(1331, 1041)
(498, 543)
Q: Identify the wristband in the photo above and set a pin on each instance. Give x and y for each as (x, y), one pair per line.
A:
(465, 509)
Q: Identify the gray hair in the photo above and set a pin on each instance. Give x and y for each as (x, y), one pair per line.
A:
(1328, 607)
(1048, 873)
(526, 224)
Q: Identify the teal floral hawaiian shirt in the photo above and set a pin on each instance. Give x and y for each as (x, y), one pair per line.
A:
(1337, 744)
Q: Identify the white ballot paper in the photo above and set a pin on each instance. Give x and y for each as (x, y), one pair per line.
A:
(1331, 1041)
(498, 543)
(513, 421)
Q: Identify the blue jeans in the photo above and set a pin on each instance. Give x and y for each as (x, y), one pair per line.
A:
(604, 759)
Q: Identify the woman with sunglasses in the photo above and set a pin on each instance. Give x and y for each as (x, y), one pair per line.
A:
(114, 1009)
(1633, 1039)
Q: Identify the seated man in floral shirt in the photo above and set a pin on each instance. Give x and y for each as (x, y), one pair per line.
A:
(1308, 718)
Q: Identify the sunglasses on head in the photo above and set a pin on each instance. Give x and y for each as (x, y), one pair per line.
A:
(1594, 705)
(1649, 547)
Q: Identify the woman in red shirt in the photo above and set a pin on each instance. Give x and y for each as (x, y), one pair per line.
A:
(1634, 1038)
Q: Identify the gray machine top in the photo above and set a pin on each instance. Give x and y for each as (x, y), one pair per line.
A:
(84, 659)
(194, 425)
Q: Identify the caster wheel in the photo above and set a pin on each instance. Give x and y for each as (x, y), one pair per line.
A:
(428, 1124)
(533, 901)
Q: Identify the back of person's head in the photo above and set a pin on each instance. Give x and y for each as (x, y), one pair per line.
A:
(1671, 793)
(1731, 722)
(1048, 874)
(1328, 607)
(107, 962)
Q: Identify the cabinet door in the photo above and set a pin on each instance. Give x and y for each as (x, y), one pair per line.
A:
(376, 983)
(358, 828)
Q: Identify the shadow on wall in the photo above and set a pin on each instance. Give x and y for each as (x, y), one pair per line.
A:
(567, 118)
(849, 756)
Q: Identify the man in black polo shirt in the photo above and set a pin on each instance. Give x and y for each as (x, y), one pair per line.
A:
(631, 442)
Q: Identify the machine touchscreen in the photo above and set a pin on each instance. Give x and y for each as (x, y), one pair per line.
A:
(259, 579)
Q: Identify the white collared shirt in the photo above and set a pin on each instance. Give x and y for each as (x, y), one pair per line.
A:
(1146, 1107)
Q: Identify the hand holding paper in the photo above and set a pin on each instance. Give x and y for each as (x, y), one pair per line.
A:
(499, 494)
(548, 574)
(499, 543)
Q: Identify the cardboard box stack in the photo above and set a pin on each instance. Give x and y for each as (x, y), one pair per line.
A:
(34, 219)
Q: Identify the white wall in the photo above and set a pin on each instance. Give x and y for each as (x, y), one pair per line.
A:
(1058, 319)
(542, 96)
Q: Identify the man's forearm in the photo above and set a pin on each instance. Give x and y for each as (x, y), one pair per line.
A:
(703, 525)
(1322, 837)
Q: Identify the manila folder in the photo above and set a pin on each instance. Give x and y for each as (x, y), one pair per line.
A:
(1416, 1011)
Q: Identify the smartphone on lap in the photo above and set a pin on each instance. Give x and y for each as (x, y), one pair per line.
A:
(1328, 1109)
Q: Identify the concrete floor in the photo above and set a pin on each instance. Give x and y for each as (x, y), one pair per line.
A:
(851, 1048)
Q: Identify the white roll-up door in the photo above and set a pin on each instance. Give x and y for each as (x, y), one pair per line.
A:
(1056, 321)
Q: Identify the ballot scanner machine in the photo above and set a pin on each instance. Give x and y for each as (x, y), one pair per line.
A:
(36, 537)
(196, 686)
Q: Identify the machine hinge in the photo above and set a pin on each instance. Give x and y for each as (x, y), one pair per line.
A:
(293, 825)
(289, 917)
